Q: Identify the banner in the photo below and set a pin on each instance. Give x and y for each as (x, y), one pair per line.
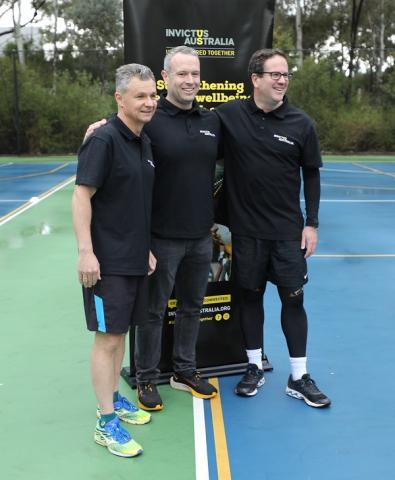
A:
(225, 33)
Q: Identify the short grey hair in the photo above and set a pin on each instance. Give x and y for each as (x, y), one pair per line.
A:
(126, 72)
(184, 49)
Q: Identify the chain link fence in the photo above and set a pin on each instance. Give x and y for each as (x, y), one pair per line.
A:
(47, 103)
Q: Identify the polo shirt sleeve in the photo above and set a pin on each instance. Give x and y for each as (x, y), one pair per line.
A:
(311, 149)
(94, 162)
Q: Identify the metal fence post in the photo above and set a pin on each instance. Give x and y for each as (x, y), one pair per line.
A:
(16, 103)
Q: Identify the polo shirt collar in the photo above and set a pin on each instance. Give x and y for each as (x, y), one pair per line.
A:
(173, 110)
(279, 112)
(122, 128)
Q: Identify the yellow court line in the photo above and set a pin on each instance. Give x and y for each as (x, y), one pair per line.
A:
(221, 447)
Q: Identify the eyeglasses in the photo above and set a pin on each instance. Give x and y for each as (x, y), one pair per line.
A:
(278, 75)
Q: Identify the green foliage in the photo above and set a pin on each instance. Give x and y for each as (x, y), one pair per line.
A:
(317, 89)
(361, 126)
(51, 122)
(62, 91)
(93, 24)
(282, 40)
(361, 129)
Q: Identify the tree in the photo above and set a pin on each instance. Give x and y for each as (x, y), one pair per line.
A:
(299, 33)
(310, 31)
(356, 9)
(10, 5)
(94, 24)
(92, 40)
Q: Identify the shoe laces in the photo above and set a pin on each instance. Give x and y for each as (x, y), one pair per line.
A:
(119, 434)
(310, 384)
(147, 386)
(251, 374)
(196, 376)
(123, 402)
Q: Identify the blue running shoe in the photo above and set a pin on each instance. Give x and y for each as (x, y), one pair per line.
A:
(117, 440)
(128, 412)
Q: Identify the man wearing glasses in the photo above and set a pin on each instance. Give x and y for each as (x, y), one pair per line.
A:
(267, 142)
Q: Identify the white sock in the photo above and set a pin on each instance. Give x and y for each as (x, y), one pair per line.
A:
(298, 367)
(255, 357)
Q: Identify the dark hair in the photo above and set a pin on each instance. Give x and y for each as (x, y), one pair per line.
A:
(258, 59)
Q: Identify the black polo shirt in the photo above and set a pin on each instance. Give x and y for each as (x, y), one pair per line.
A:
(120, 165)
(264, 153)
(185, 149)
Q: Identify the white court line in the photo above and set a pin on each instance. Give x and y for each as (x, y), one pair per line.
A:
(354, 255)
(339, 200)
(11, 200)
(6, 164)
(358, 187)
(43, 196)
(375, 170)
(340, 170)
(199, 426)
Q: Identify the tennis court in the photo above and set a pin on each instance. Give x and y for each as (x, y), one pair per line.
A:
(46, 401)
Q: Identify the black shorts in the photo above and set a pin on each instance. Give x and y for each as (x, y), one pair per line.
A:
(256, 261)
(116, 303)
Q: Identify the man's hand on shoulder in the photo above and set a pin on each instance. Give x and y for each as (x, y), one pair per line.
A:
(92, 127)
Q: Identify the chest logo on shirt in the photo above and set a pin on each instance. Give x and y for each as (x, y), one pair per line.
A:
(151, 163)
(280, 138)
(207, 133)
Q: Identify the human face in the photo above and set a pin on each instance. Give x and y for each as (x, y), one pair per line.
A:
(269, 93)
(137, 105)
(183, 79)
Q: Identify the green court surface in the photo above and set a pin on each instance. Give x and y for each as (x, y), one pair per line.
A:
(70, 158)
(38, 159)
(359, 158)
(46, 401)
(47, 404)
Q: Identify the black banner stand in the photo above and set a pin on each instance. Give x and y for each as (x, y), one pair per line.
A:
(223, 46)
(219, 350)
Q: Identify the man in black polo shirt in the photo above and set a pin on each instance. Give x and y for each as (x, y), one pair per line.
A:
(111, 216)
(267, 143)
(185, 142)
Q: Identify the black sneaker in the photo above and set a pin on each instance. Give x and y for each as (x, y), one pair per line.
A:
(306, 389)
(250, 381)
(148, 397)
(194, 384)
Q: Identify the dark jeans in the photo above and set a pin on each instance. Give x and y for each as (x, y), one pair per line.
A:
(184, 264)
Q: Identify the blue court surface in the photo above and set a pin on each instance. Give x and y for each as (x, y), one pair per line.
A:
(20, 182)
(350, 302)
